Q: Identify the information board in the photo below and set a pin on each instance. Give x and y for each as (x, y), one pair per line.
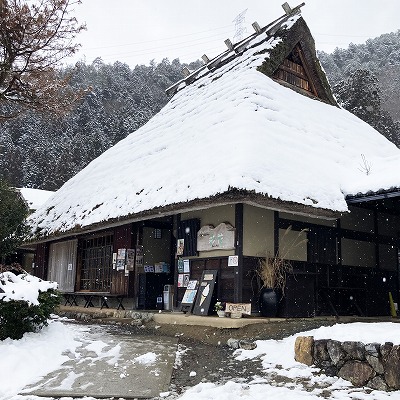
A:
(205, 293)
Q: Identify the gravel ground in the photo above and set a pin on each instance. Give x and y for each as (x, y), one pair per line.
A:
(204, 355)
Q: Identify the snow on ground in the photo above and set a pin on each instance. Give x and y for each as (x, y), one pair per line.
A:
(25, 361)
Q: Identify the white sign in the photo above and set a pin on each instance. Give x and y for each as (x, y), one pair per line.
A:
(233, 261)
(222, 237)
(244, 308)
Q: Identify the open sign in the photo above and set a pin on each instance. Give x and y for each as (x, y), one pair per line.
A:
(244, 308)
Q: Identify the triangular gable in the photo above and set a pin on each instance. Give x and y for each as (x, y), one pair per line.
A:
(295, 73)
(297, 50)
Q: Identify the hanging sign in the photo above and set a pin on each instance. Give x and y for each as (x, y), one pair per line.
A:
(222, 237)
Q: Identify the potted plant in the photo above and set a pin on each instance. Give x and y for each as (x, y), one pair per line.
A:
(272, 271)
(219, 307)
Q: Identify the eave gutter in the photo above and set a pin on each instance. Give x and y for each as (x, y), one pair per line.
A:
(372, 197)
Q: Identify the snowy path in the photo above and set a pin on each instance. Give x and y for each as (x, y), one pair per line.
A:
(57, 347)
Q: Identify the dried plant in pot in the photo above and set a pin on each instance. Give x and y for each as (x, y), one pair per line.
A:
(272, 272)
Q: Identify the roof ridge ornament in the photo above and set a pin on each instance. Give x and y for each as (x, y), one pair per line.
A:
(289, 10)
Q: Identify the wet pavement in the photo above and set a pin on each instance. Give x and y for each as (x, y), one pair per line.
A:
(112, 364)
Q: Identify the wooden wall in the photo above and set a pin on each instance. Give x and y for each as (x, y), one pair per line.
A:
(41, 257)
(122, 240)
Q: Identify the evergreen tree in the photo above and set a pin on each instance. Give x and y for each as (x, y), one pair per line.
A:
(359, 94)
(13, 211)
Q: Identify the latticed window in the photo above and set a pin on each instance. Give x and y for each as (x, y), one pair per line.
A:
(97, 254)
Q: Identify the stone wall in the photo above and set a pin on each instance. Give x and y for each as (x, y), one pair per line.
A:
(373, 365)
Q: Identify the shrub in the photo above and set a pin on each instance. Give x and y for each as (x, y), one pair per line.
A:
(18, 316)
(26, 302)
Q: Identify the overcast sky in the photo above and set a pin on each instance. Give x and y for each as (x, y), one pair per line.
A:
(137, 31)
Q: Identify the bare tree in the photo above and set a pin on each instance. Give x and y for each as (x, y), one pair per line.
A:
(35, 35)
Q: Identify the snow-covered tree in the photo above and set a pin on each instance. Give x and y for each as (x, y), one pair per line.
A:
(13, 211)
(360, 94)
(34, 37)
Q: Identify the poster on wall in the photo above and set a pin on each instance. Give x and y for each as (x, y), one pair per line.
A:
(180, 266)
(190, 296)
(139, 256)
(130, 259)
(186, 266)
(149, 268)
(180, 246)
(121, 258)
(186, 279)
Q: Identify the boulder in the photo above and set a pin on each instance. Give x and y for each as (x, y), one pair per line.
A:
(373, 349)
(355, 350)
(336, 353)
(378, 383)
(357, 372)
(392, 368)
(320, 352)
(303, 350)
(375, 363)
(385, 350)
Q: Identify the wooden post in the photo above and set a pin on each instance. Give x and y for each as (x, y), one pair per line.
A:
(238, 277)
(276, 232)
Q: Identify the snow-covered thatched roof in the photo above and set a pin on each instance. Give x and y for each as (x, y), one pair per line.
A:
(35, 197)
(229, 129)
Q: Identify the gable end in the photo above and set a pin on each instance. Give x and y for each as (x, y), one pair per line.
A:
(294, 72)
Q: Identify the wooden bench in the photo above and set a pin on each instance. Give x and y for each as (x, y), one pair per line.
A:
(88, 297)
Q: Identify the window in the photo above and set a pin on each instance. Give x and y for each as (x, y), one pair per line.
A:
(62, 263)
(96, 268)
(157, 233)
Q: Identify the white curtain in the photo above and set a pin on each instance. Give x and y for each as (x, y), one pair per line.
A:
(62, 264)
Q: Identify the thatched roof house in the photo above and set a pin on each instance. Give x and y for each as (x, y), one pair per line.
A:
(256, 130)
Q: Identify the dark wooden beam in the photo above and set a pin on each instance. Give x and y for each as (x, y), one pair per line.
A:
(304, 62)
(238, 277)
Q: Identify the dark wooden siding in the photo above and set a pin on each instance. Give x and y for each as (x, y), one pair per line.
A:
(187, 230)
(41, 259)
(122, 240)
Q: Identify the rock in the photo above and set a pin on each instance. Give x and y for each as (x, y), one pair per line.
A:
(336, 353)
(378, 383)
(375, 363)
(355, 350)
(372, 349)
(385, 350)
(357, 372)
(320, 352)
(233, 343)
(303, 350)
(247, 344)
(392, 368)
(331, 370)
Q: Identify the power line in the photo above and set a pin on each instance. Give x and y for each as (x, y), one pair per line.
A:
(160, 39)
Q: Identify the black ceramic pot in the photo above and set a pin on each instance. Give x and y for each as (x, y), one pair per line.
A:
(268, 302)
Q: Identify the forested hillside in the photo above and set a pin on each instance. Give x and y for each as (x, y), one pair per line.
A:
(42, 151)
(366, 80)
